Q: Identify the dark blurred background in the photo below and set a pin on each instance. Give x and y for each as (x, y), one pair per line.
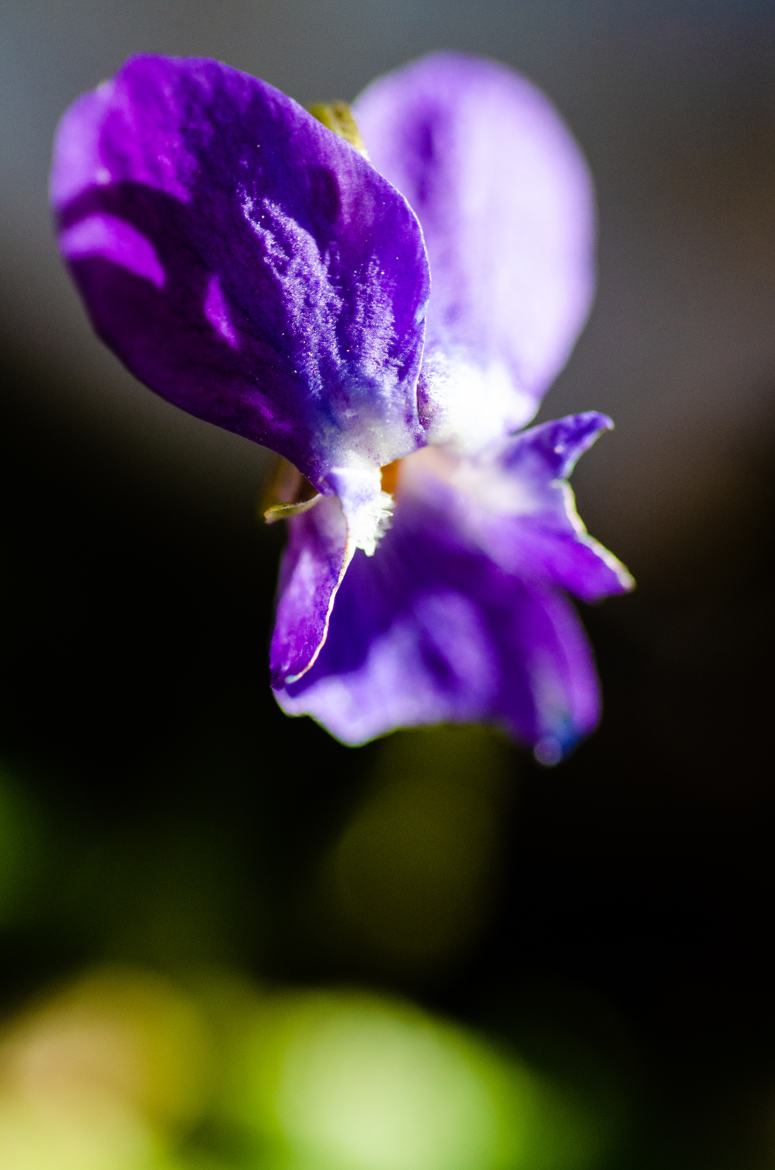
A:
(228, 942)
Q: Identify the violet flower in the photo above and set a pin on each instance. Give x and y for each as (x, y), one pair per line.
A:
(255, 269)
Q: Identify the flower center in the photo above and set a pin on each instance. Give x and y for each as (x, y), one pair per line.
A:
(390, 476)
(289, 493)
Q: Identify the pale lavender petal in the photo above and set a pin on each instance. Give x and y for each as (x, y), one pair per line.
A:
(512, 501)
(431, 630)
(506, 205)
(529, 523)
(246, 263)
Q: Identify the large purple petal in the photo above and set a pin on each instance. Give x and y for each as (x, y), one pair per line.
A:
(247, 264)
(431, 629)
(506, 205)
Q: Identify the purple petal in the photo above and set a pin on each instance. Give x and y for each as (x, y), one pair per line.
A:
(506, 205)
(511, 501)
(246, 263)
(553, 448)
(431, 629)
(313, 566)
(321, 542)
(530, 524)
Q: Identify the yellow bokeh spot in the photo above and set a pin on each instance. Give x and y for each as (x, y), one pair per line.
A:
(361, 1083)
(117, 1042)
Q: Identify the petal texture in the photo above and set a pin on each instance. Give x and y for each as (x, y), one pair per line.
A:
(246, 263)
(460, 616)
(506, 205)
(429, 632)
(514, 501)
(433, 629)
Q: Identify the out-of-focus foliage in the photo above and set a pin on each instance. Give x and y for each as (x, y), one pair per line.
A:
(128, 1069)
(412, 873)
(199, 1065)
(22, 843)
(366, 1083)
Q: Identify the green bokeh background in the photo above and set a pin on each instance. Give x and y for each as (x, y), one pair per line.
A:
(229, 943)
